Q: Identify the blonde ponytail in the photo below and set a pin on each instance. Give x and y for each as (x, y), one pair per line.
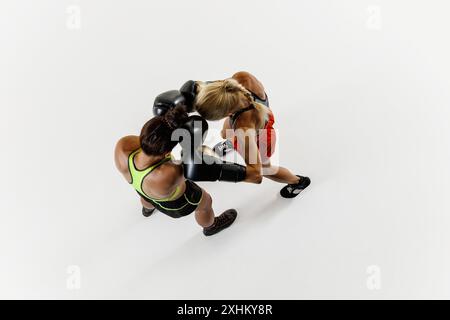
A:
(216, 100)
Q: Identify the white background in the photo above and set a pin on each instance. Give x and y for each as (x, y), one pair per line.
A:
(361, 104)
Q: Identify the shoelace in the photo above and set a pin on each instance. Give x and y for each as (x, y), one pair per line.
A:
(295, 188)
(222, 219)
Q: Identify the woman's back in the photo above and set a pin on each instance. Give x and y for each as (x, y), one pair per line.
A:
(158, 179)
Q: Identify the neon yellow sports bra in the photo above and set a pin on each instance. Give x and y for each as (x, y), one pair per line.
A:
(138, 176)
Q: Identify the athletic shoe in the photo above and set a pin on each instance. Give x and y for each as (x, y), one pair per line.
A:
(293, 190)
(221, 222)
(147, 212)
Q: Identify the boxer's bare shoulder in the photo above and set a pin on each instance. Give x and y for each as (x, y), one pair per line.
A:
(124, 147)
(250, 82)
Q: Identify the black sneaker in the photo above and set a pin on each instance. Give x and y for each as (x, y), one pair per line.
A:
(293, 190)
(147, 212)
(221, 222)
(222, 148)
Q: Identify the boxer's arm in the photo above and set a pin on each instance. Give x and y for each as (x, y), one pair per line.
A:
(124, 147)
(199, 166)
(247, 147)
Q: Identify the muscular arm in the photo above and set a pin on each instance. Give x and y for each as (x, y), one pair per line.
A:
(124, 147)
(248, 148)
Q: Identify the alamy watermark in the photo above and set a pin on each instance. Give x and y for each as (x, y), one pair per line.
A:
(374, 18)
(373, 281)
(73, 17)
(73, 280)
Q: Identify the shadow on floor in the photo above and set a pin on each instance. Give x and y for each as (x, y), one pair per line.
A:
(201, 251)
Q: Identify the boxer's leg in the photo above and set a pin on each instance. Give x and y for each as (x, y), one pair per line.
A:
(295, 184)
(147, 208)
(146, 204)
(279, 174)
(205, 216)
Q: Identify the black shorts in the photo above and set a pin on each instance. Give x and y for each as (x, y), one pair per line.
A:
(184, 205)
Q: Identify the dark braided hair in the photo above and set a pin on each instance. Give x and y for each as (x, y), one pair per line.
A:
(156, 134)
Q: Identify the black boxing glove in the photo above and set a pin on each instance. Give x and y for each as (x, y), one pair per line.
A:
(189, 91)
(191, 136)
(168, 100)
(199, 166)
(204, 167)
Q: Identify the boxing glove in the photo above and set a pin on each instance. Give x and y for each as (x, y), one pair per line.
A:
(191, 136)
(199, 166)
(168, 100)
(189, 91)
(204, 167)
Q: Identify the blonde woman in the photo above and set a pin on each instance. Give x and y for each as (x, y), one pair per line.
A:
(248, 128)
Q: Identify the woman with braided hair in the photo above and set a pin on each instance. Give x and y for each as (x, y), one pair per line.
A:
(248, 128)
(145, 162)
